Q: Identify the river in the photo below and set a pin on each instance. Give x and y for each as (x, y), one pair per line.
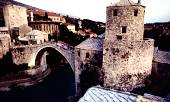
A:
(56, 87)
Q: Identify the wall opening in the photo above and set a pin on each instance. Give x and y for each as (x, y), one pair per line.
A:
(87, 55)
(135, 12)
(2, 21)
(119, 37)
(124, 28)
(115, 11)
(78, 53)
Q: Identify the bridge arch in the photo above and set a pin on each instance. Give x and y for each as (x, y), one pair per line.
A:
(40, 50)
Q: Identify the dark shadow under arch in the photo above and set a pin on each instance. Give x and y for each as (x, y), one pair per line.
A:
(62, 77)
(53, 57)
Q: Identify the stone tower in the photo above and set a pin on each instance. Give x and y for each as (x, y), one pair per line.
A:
(127, 58)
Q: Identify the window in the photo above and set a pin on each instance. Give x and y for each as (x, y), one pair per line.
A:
(87, 55)
(119, 37)
(124, 29)
(78, 53)
(135, 12)
(115, 12)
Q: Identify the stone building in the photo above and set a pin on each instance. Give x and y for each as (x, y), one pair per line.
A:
(4, 44)
(71, 27)
(88, 53)
(127, 58)
(36, 37)
(4, 30)
(49, 27)
(12, 17)
(53, 16)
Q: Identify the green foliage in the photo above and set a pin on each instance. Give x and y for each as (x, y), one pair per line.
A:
(96, 27)
(70, 37)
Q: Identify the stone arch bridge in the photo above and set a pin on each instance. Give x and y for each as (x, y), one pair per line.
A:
(27, 54)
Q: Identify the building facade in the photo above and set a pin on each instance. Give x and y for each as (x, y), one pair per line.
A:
(71, 27)
(53, 16)
(12, 17)
(49, 27)
(88, 58)
(36, 37)
(127, 58)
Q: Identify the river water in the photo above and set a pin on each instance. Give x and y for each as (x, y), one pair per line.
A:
(56, 87)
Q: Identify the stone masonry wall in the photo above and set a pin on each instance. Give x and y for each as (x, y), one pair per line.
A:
(4, 45)
(15, 16)
(127, 58)
(81, 61)
(22, 55)
(125, 17)
(127, 64)
(27, 54)
(84, 66)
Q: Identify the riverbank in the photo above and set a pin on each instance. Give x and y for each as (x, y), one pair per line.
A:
(24, 78)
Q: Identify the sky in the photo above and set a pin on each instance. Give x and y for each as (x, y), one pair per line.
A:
(156, 10)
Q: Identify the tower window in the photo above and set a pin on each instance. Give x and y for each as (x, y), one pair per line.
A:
(119, 37)
(124, 28)
(135, 12)
(87, 55)
(115, 12)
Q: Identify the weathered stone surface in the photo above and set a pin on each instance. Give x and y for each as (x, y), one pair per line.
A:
(126, 64)
(93, 47)
(11, 19)
(4, 44)
(125, 17)
(23, 29)
(27, 54)
(127, 58)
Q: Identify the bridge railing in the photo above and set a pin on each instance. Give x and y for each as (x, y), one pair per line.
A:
(65, 45)
(59, 43)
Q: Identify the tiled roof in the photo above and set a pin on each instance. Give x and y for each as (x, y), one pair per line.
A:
(100, 94)
(161, 56)
(43, 13)
(91, 44)
(35, 32)
(125, 3)
(102, 36)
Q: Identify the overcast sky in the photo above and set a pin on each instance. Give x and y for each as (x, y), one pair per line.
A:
(156, 10)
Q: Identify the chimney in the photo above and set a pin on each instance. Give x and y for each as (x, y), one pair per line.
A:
(31, 15)
(139, 1)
